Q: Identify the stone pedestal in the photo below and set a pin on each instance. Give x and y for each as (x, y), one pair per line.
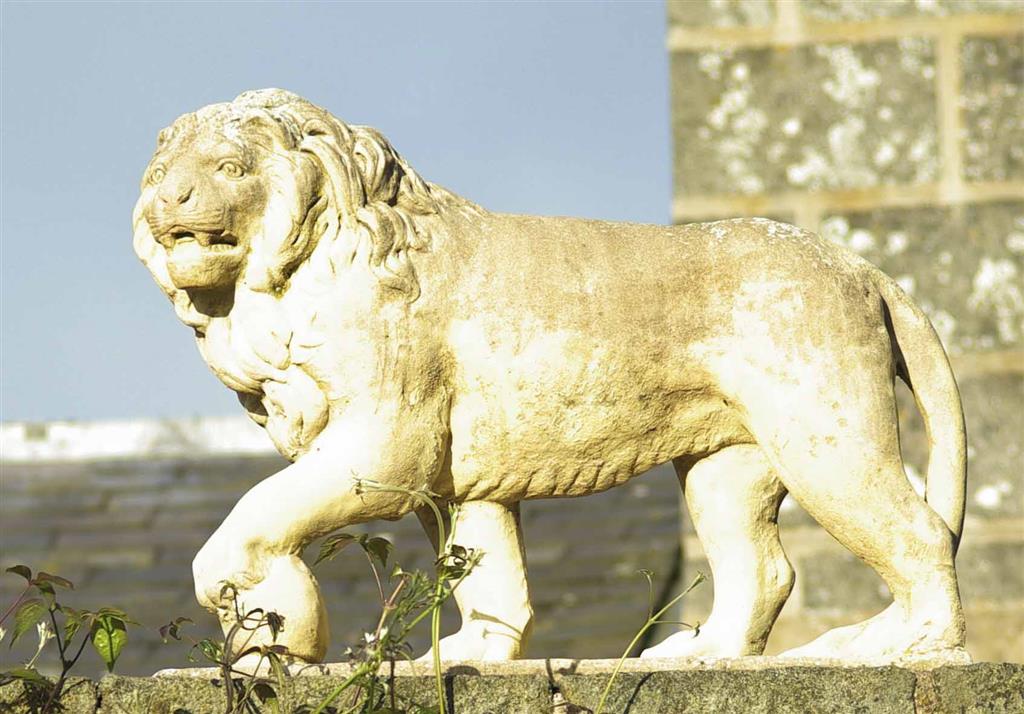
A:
(563, 686)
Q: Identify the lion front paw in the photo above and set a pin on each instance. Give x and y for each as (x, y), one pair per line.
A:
(221, 569)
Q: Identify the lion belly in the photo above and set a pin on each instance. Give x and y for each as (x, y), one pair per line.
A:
(564, 415)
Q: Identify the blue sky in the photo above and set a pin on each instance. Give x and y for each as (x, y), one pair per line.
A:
(546, 108)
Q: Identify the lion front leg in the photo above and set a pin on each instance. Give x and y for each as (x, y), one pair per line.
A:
(494, 598)
(256, 549)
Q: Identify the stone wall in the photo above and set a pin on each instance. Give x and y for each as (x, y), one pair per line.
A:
(896, 129)
(753, 686)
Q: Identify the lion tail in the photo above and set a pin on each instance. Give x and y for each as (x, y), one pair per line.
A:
(923, 365)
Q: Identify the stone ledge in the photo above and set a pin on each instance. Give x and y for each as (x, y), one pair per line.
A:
(756, 684)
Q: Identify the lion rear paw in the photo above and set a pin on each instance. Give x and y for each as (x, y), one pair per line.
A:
(475, 643)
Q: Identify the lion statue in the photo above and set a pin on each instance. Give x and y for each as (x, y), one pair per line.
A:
(382, 329)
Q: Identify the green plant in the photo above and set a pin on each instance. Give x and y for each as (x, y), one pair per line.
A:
(407, 598)
(242, 689)
(653, 618)
(413, 597)
(37, 607)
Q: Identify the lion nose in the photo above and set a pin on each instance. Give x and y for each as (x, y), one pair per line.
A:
(177, 194)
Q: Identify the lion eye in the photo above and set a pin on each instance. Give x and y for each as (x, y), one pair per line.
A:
(232, 169)
(157, 174)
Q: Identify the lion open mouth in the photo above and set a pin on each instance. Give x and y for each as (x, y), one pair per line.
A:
(213, 239)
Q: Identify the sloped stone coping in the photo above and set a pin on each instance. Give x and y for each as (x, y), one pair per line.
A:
(588, 667)
(755, 685)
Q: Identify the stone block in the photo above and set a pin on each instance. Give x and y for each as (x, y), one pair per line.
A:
(80, 696)
(566, 686)
(992, 102)
(986, 687)
(847, 11)
(511, 694)
(720, 13)
(827, 116)
(963, 265)
(193, 695)
(467, 694)
(782, 690)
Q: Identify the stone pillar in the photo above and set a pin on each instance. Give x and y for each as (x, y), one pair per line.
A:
(896, 129)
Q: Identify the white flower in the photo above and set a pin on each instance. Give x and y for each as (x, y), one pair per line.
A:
(45, 635)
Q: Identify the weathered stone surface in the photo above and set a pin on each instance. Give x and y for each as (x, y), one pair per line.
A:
(566, 686)
(817, 116)
(197, 695)
(983, 688)
(963, 266)
(514, 694)
(796, 689)
(847, 11)
(79, 697)
(992, 101)
(720, 13)
(160, 696)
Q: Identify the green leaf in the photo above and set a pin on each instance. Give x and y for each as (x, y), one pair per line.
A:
(172, 630)
(377, 548)
(108, 638)
(332, 545)
(28, 675)
(276, 623)
(267, 696)
(73, 620)
(22, 570)
(212, 651)
(115, 613)
(273, 655)
(29, 613)
(55, 579)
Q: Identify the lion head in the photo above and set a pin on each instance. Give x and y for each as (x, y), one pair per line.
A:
(239, 195)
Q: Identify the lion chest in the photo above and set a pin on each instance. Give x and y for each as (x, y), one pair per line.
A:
(279, 395)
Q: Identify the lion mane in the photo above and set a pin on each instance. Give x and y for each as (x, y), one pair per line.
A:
(369, 200)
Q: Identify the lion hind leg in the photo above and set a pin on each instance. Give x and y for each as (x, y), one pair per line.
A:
(733, 498)
(493, 599)
(839, 456)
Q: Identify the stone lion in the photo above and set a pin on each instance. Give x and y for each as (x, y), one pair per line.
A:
(380, 327)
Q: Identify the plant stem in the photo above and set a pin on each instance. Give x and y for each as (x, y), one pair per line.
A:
(226, 666)
(651, 621)
(360, 672)
(9, 610)
(442, 543)
(376, 576)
